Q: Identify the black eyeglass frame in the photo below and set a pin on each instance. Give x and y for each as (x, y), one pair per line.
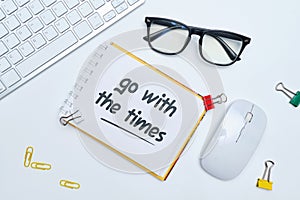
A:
(200, 32)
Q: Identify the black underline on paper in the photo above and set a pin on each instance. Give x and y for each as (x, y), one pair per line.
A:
(116, 125)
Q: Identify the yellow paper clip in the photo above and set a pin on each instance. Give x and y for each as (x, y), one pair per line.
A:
(69, 184)
(263, 183)
(28, 156)
(40, 165)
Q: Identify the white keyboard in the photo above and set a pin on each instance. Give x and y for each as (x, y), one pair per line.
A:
(34, 34)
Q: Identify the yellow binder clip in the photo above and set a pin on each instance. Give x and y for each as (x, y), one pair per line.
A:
(263, 183)
(28, 156)
(40, 166)
(69, 184)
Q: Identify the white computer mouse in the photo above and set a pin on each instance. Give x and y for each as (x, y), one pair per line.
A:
(235, 140)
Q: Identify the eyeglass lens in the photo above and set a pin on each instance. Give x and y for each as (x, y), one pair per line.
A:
(219, 49)
(168, 37)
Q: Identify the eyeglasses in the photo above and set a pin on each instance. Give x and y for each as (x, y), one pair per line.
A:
(217, 47)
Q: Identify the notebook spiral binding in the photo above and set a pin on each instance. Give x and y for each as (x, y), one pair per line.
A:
(67, 112)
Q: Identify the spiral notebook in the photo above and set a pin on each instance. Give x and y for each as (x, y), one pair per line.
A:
(135, 111)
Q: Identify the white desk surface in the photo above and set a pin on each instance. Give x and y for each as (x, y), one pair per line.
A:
(29, 115)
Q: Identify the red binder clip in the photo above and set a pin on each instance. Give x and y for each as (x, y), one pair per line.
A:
(209, 102)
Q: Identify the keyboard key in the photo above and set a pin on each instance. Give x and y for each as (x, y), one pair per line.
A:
(2, 15)
(62, 25)
(47, 17)
(121, 8)
(15, 56)
(3, 48)
(2, 88)
(22, 2)
(82, 30)
(116, 3)
(85, 9)
(97, 3)
(10, 78)
(47, 53)
(35, 25)
(48, 2)
(24, 15)
(9, 6)
(95, 20)
(26, 49)
(131, 2)
(24, 33)
(4, 64)
(50, 33)
(3, 31)
(12, 22)
(38, 41)
(59, 9)
(71, 3)
(73, 17)
(12, 40)
(36, 7)
(108, 16)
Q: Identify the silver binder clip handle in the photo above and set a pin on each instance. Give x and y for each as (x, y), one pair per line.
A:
(267, 171)
(64, 120)
(280, 87)
(221, 98)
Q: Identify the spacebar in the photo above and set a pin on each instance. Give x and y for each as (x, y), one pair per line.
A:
(47, 53)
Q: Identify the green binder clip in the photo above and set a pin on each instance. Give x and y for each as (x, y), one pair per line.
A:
(294, 97)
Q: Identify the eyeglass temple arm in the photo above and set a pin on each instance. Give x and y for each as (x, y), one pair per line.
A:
(232, 55)
(157, 34)
(227, 48)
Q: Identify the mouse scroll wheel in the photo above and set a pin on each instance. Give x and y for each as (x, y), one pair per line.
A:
(248, 117)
